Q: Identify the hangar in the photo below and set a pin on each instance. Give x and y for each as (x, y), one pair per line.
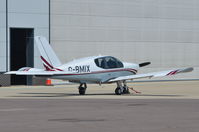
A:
(20, 21)
(163, 32)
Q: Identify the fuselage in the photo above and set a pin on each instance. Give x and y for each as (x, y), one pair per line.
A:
(96, 69)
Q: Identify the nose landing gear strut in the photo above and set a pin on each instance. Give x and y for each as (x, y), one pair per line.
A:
(123, 89)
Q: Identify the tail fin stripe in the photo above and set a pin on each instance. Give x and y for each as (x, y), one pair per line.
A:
(48, 56)
(58, 69)
(47, 63)
(44, 49)
(47, 68)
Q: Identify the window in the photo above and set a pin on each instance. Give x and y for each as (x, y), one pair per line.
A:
(108, 62)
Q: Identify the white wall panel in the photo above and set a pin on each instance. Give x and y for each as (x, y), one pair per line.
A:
(2, 5)
(2, 35)
(3, 65)
(70, 7)
(161, 31)
(30, 14)
(2, 49)
(28, 6)
(28, 20)
(2, 19)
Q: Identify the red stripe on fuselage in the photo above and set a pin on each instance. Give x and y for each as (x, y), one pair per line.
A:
(98, 72)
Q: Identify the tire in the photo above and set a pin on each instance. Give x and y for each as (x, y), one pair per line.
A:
(82, 91)
(126, 90)
(118, 91)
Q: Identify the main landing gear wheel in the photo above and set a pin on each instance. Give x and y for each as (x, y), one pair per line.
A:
(118, 91)
(82, 88)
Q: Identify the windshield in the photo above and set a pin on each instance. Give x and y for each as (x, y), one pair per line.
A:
(108, 62)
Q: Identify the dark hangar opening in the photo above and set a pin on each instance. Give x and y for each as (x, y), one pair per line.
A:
(21, 53)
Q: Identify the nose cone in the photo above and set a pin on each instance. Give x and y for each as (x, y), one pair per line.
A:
(131, 65)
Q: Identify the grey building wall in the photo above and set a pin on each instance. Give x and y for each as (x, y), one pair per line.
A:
(161, 31)
(2, 35)
(30, 14)
(22, 14)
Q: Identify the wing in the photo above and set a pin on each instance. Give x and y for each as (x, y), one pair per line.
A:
(151, 75)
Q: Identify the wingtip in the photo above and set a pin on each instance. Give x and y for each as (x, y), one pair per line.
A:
(189, 69)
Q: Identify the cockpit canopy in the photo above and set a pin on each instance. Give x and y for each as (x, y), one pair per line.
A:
(108, 62)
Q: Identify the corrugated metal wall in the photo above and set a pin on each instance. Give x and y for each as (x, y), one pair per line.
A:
(161, 31)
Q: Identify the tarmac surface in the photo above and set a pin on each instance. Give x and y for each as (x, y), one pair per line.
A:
(162, 106)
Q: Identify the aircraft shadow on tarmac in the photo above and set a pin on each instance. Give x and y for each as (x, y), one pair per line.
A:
(56, 94)
(90, 94)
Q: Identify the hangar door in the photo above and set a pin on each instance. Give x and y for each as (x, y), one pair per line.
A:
(21, 53)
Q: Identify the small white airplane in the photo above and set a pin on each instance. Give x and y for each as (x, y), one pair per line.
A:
(95, 69)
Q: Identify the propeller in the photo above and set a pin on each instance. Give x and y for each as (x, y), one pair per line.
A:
(144, 64)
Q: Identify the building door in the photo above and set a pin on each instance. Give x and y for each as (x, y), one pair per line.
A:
(21, 53)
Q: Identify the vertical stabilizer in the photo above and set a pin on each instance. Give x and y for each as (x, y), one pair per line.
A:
(48, 56)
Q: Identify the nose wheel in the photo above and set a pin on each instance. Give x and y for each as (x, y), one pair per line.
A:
(82, 88)
(123, 89)
(126, 90)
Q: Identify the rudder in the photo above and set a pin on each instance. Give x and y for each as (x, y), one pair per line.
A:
(48, 56)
